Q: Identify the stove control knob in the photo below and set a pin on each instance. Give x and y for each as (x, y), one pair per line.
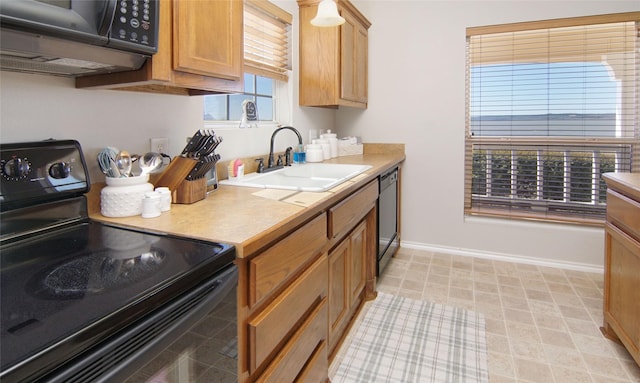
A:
(16, 168)
(60, 170)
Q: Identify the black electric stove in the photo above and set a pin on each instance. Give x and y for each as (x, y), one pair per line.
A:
(70, 286)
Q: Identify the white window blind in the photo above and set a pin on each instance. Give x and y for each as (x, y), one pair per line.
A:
(551, 105)
(266, 39)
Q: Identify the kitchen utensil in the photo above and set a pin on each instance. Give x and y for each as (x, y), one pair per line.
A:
(192, 144)
(197, 143)
(107, 162)
(150, 162)
(216, 142)
(203, 166)
(123, 163)
(203, 150)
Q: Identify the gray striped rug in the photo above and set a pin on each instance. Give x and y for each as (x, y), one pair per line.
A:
(404, 340)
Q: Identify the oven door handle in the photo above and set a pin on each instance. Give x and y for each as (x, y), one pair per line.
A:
(128, 351)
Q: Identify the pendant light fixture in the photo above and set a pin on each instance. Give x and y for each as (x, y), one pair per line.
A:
(327, 15)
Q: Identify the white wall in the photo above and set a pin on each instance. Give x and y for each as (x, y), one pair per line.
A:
(417, 96)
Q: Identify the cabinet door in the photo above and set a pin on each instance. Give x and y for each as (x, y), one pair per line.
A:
(338, 291)
(622, 296)
(207, 38)
(361, 64)
(357, 265)
(354, 51)
(348, 33)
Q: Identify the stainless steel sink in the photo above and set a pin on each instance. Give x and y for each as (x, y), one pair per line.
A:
(314, 177)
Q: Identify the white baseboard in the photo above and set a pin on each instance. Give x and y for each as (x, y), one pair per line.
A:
(503, 257)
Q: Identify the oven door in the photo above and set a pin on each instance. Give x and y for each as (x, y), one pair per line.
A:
(191, 338)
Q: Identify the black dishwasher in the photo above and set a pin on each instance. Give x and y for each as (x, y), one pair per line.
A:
(388, 241)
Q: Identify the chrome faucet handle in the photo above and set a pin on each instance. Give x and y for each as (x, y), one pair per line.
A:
(260, 162)
(287, 156)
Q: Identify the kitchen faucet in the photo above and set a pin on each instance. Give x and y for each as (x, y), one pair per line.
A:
(270, 164)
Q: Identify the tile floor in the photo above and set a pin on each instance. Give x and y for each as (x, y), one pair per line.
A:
(542, 323)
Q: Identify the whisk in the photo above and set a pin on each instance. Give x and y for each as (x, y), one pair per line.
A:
(107, 162)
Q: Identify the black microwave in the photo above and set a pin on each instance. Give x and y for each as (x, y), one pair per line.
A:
(98, 35)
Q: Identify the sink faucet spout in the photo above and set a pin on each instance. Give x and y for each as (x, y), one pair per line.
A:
(270, 163)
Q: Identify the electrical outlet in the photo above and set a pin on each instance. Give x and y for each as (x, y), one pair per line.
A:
(159, 145)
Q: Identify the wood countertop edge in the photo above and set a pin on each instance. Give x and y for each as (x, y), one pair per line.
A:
(628, 183)
(240, 200)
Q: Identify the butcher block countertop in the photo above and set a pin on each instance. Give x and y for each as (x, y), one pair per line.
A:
(629, 183)
(252, 218)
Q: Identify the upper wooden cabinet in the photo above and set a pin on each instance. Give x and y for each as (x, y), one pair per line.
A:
(200, 50)
(333, 60)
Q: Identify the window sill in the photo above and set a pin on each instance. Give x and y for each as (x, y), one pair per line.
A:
(533, 217)
(233, 125)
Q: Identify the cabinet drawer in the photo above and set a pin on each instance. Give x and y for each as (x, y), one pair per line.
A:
(272, 268)
(269, 328)
(624, 212)
(351, 210)
(300, 348)
(316, 371)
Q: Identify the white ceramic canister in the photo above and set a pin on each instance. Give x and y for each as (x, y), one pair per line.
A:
(326, 148)
(333, 142)
(151, 204)
(314, 153)
(165, 198)
(122, 197)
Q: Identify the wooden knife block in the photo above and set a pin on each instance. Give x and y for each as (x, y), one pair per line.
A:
(174, 177)
(190, 191)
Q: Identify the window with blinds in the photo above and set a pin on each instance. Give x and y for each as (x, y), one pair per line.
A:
(266, 39)
(551, 105)
(266, 62)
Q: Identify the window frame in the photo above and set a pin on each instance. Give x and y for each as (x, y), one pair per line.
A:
(507, 143)
(282, 111)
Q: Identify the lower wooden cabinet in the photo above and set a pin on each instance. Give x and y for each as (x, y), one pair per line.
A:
(622, 262)
(357, 266)
(338, 291)
(316, 370)
(622, 302)
(271, 326)
(275, 265)
(300, 351)
(299, 294)
(347, 276)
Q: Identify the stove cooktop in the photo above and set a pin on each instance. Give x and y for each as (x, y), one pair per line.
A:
(71, 288)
